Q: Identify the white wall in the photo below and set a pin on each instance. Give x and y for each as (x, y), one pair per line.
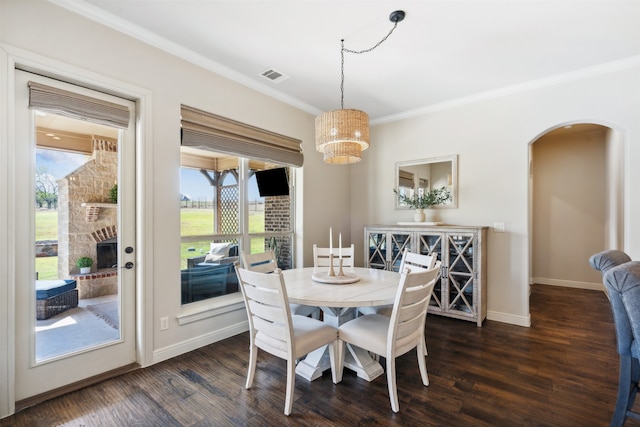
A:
(492, 138)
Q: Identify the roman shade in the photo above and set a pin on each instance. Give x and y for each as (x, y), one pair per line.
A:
(76, 106)
(208, 131)
(405, 179)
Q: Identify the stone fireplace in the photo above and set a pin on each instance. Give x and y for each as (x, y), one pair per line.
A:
(87, 218)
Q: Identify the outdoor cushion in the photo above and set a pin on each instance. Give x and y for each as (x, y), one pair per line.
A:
(50, 288)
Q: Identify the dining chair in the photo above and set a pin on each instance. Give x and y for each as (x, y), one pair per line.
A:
(275, 330)
(621, 278)
(417, 262)
(394, 336)
(321, 256)
(265, 262)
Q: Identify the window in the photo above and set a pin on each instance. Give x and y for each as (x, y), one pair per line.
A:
(235, 196)
(222, 212)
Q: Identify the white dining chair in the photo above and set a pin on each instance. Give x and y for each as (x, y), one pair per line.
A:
(265, 262)
(321, 256)
(394, 336)
(417, 262)
(275, 330)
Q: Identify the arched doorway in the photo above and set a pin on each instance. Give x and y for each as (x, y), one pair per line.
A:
(576, 179)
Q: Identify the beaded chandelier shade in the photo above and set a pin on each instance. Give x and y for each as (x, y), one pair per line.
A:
(341, 135)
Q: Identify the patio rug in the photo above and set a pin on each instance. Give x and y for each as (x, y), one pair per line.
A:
(107, 311)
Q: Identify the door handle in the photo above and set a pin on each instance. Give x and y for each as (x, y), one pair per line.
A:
(128, 265)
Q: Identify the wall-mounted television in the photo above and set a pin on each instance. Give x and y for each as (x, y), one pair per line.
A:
(272, 182)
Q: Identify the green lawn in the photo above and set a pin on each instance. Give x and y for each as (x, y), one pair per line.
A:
(46, 224)
(47, 268)
(196, 222)
(47, 229)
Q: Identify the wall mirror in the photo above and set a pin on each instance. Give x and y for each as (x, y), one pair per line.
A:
(417, 176)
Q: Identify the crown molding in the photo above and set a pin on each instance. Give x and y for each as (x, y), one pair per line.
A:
(583, 73)
(112, 21)
(116, 23)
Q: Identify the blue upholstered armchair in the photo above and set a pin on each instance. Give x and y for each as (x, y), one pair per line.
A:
(621, 278)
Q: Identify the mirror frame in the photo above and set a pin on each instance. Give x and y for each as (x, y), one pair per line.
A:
(454, 178)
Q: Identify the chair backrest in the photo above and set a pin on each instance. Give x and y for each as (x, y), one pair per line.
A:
(607, 262)
(321, 256)
(410, 310)
(416, 261)
(623, 283)
(263, 262)
(265, 297)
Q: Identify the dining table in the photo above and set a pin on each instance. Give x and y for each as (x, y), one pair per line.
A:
(363, 287)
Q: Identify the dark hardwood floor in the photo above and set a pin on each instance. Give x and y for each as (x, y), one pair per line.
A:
(560, 372)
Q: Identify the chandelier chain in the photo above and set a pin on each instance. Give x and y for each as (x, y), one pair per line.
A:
(357, 52)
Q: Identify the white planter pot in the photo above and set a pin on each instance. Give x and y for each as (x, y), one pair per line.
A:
(419, 215)
(85, 270)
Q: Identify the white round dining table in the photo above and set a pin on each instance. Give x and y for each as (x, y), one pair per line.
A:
(338, 302)
(374, 287)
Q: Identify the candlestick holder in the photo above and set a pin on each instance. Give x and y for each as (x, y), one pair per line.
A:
(330, 277)
(331, 272)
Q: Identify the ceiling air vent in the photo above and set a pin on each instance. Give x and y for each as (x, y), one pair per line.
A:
(274, 76)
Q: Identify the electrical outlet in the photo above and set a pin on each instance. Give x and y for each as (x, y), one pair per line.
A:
(164, 323)
(498, 227)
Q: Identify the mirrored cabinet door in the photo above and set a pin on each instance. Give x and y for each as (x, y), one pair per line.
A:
(429, 243)
(461, 273)
(385, 248)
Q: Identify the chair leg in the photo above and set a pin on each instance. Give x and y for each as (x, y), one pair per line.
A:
(253, 356)
(391, 382)
(422, 363)
(426, 353)
(339, 355)
(333, 359)
(291, 382)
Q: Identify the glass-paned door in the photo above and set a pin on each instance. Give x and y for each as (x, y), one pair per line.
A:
(460, 273)
(431, 244)
(377, 250)
(398, 242)
(75, 216)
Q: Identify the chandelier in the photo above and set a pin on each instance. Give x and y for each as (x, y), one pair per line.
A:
(342, 134)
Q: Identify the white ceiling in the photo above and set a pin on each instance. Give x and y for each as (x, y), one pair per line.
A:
(444, 52)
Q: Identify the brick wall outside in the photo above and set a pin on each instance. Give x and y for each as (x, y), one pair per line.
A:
(277, 218)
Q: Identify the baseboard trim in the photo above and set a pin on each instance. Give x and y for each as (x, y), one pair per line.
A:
(568, 283)
(509, 318)
(166, 353)
(34, 400)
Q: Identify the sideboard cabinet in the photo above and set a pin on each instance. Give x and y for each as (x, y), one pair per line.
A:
(461, 289)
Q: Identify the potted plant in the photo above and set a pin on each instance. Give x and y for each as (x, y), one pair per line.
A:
(437, 196)
(84, 264)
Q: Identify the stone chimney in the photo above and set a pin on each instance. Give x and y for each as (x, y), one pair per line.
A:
(78, 220)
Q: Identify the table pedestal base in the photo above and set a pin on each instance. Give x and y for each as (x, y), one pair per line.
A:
(355, 358)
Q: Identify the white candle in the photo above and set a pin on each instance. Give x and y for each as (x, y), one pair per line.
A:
(340, 246)
(330, 240)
